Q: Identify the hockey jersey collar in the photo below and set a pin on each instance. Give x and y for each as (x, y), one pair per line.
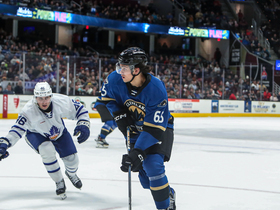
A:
(134, 91)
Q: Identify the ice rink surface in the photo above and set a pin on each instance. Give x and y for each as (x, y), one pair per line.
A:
(216, 164)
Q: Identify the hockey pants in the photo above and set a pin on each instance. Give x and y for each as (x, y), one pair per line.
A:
(64, 146)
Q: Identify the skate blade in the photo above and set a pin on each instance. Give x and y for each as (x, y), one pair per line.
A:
(63, 196)
(104, 147)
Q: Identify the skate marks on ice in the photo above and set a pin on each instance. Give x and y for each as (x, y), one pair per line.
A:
(41, 195)
(207, 172)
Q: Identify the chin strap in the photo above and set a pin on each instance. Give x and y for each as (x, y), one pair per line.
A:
(133, 76)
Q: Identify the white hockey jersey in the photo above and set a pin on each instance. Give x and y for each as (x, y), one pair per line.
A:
(50, 124)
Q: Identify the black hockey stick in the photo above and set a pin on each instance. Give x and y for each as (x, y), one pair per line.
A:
(129, 167)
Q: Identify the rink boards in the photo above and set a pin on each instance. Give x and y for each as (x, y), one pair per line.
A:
(12, 104)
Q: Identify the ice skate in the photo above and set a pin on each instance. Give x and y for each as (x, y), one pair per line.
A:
(172, 205)
(75, 180)
(60, 189)
(101, 143)
(172, 196)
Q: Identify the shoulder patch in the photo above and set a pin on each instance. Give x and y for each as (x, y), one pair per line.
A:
(163, 103)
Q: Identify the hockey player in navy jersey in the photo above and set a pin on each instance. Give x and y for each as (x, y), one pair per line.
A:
(139, 100)
(108, 126)
(41, 119)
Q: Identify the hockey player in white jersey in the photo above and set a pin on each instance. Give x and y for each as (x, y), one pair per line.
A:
(41, 120)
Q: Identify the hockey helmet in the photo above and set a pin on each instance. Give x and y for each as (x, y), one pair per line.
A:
(42, 89)
(132, 57)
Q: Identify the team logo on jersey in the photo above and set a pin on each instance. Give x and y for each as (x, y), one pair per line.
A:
(163, 103)
(54, 133)
(137, 109)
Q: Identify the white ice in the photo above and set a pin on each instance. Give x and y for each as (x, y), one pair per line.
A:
(216, 164)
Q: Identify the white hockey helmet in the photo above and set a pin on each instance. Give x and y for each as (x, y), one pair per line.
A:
(42, 89)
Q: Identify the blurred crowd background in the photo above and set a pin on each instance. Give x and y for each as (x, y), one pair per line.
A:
(185, 75)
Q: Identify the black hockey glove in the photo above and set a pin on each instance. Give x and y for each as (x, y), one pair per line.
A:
(3, 148)
(135, 159)
(82, 130)
(123, 119)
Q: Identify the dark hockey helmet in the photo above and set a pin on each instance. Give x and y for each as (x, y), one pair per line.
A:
(133, 56)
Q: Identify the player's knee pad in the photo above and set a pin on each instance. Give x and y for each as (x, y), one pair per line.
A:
(47, 151)
(71, 163)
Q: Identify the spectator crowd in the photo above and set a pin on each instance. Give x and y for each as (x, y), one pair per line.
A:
(200, 79)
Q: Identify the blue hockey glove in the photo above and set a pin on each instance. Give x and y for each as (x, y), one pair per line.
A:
(135, 159)
(123, 119)
(82, 130)
(3, 148)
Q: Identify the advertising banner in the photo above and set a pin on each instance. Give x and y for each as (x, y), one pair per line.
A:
(206, 33)
(5, 106)
(265, 107)
(17, 102)
(70, 18)
(215, 106)
(189, 105)
(247, 106)
(231, 106)
(184, 105)
(11, 106)
(235, 52)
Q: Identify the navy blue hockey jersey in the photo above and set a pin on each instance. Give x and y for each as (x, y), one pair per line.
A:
(148, 106)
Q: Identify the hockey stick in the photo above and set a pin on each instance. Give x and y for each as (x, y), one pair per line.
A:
(129, 167)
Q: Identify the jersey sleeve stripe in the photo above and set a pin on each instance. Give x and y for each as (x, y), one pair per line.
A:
(79, 110)
(15, 126)
(16, 133)
(107, 99)
(154, 126)
(82, 114)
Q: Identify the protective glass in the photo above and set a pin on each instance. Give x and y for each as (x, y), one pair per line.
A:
(124, 69)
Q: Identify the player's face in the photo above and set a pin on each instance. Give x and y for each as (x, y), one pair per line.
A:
(43, 102)
(125, 72)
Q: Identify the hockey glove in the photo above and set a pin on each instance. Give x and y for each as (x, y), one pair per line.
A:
(3, 148)
(123, 119)
(82, 130)
(135, 159)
